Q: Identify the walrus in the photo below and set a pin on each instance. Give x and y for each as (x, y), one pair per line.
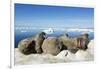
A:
(75, 43)
(32, 44)
(51, 45)
(27, 46)
(39, 38)
(83, 41)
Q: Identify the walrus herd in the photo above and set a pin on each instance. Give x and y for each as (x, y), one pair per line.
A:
(52, 45)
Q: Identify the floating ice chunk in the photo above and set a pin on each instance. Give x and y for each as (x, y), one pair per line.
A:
(48, 31)
(79, 30)
(23, 31)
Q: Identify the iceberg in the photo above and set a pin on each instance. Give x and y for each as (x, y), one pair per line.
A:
(79, 30)
(48, 31)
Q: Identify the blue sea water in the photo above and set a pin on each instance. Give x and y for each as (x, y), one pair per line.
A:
(19, 35)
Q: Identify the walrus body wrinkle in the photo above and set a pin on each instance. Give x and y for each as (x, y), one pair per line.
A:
(51, 45)
(74, 44)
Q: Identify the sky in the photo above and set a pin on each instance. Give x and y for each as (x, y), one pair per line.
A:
(53, 16)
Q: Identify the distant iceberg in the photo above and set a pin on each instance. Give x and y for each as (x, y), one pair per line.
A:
(51, 30)
(48, 31)
(80, 30)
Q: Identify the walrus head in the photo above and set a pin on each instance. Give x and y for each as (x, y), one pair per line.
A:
(42, 34)
(82, 42)
(39, 40)
(30, 48)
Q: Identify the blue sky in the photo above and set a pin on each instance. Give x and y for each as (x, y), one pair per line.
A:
(54, 16)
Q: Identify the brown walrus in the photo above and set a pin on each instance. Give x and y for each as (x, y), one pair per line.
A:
(83, 41)
(74, 44)
(32, 45)
(51, 45)
(39, 38)
(27, 46)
